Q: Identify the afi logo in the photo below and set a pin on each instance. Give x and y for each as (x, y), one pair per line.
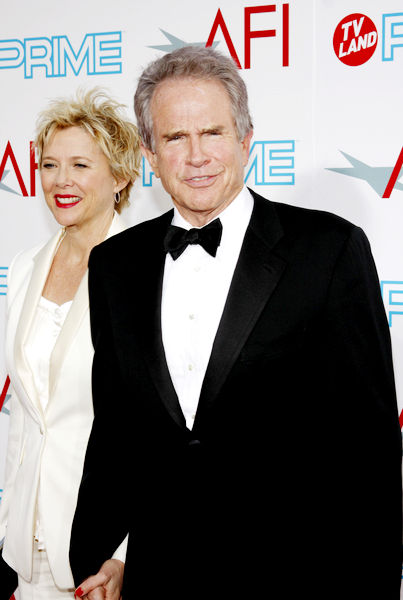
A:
(383, 180)
(4, 397)
(282, 32)
(9, 157)
(279, 18)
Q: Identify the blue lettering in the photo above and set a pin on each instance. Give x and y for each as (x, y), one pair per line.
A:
(392, 294)
(272, 162)
(3, 276)
(392, 29)
(147, 173)
(11, 54)
(98, 53)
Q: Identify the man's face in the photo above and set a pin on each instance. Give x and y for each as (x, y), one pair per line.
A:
(197, 152)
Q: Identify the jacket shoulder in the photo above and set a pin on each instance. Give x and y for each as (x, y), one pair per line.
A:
(300, 221)
(134, 238)
(21, 266)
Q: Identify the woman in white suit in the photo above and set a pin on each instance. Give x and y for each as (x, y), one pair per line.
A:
(88, 157)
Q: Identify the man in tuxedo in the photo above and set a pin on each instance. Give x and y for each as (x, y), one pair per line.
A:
(246, 432)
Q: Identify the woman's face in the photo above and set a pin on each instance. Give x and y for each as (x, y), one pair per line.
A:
(76, 178)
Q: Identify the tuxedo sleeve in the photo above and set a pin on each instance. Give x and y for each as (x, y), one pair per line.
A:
(9, 580)
(356, 370)
(101, 519)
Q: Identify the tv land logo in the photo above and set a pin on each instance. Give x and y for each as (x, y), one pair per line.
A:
(59, 56)
(383, 180)
(280, 30)
(356, 37)
(271, 162)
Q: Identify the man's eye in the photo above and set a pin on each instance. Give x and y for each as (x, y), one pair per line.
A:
(175, 137)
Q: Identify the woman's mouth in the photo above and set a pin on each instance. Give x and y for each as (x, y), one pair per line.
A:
(66, 201)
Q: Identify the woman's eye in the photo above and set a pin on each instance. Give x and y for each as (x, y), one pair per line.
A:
(47, 165)
(80, 165)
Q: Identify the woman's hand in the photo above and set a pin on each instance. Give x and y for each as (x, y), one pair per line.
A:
(106, 584)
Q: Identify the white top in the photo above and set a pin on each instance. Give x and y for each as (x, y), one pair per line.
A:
(194, 293)
(46, 326)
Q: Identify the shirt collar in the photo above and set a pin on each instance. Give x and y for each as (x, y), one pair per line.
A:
(235, 214)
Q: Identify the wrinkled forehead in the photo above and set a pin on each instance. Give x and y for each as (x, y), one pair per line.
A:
(174, 82)
(176, 95)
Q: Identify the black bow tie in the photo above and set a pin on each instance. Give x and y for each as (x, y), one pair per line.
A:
(209, 237)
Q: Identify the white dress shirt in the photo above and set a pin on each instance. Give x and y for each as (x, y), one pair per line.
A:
(194, 293)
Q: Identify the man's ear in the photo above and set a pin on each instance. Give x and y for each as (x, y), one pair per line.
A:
(151, 157)
(245, 145)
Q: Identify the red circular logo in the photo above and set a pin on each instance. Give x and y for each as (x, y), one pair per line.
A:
(355, 39)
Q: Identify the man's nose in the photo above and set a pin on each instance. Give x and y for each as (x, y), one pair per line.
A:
(197, 156)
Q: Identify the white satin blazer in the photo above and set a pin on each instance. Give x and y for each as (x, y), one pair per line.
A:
(47, 446)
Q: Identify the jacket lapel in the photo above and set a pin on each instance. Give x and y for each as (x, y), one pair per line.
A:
(42, 262)
(256, 276)
(78, 310)
(151, 332)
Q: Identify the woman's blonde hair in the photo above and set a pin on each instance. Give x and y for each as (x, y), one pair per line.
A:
(104, 119)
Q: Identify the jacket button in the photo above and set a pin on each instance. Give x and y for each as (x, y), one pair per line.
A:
(194, 442)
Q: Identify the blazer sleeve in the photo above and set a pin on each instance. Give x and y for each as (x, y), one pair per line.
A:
(356, 373)
(105, 472)
(15, 430)
(8, 577)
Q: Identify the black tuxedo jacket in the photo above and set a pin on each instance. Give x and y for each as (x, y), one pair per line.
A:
(8, 580)
(290, 480)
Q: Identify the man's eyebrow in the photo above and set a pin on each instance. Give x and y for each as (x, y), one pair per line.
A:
(213, 129)
(172, 134)
(181, 132)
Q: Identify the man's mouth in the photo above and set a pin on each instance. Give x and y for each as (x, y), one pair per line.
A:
(200, 180)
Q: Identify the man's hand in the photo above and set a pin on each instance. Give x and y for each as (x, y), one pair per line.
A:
(106, 584)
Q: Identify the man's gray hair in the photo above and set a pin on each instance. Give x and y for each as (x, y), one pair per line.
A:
(192, 62)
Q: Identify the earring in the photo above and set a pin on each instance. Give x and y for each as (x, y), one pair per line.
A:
(117, 197)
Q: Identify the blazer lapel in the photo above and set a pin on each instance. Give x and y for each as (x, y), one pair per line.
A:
(151, 333)
(75, 316)
(256, 276)
(42, 263)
